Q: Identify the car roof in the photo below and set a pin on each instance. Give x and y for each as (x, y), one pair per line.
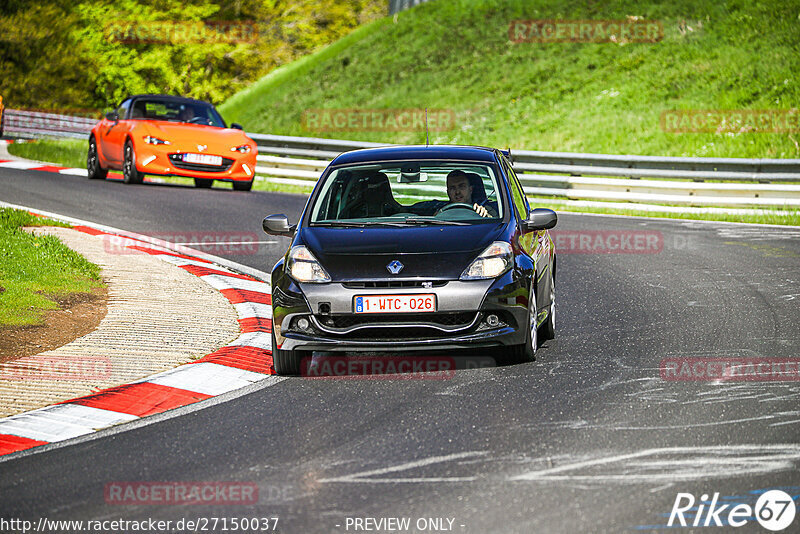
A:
(433, 152)
(166, 97)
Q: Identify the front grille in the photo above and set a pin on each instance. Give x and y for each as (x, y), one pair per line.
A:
(441, 319)
(398, 335)
(180, 164)
(393, 284)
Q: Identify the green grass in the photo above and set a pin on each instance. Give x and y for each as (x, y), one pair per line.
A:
(581, 97)
(37, 271)
(66, 152)
(237, 107)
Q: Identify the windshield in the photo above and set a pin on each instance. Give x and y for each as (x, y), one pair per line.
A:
(409, 193)
(177, 111)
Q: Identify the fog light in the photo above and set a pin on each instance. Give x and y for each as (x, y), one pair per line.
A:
(492, 320)
(302, 323)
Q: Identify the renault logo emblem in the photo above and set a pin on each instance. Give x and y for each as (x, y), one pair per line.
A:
(395, 267)
(201, 148)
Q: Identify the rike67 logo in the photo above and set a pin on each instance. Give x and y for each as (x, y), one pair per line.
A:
(774, 510)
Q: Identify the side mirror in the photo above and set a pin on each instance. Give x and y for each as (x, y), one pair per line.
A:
(540, 219)
(236, 126)
(112, 116)
(278, 225)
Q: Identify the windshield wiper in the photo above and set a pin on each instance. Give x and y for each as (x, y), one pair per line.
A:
(344, 224)
(341, 224)
(416, 220)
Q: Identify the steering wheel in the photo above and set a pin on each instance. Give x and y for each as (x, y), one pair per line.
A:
(198, 120)
(453, 206)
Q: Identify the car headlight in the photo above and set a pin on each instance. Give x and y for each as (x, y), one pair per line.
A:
(150, 140)
(492, 262)
(304, 267)
(244, 149)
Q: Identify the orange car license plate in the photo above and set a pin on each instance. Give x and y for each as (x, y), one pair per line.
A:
(205, 159)
(394, 303)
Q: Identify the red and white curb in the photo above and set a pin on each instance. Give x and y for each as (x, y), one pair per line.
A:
(36, 166)
(244, 361)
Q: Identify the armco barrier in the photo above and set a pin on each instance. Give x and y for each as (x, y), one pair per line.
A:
(300, 160)
(34, 124)
(668, 180)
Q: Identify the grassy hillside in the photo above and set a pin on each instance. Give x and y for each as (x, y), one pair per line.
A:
(584, 97)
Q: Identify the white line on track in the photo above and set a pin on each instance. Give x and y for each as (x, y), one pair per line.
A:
(361, 476)
(672, 464)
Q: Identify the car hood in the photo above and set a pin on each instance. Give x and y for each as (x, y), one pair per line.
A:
(186, 137)
(430, 252)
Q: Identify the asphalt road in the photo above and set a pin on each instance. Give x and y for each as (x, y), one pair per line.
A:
(589, 438)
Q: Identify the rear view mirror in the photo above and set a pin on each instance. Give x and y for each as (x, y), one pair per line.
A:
(540, 219)
(112, 116)
(236, 126)
(413, 177)
(278, 225)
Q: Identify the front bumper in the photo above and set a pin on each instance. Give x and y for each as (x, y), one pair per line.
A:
(156, 160)
(470, 314)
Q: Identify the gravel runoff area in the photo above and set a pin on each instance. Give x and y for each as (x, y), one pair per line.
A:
(159, 316)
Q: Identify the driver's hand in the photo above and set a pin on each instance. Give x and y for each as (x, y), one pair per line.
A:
(480, 210)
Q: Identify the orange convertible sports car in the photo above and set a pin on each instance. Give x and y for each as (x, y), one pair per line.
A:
(171, 136)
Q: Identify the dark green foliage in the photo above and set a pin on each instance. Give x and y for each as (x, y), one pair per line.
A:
(62, 55)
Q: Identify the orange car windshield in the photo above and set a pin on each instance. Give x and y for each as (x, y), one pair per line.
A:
(177, 111)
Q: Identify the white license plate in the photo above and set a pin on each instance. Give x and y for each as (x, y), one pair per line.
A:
(205, 159)
(395, 303)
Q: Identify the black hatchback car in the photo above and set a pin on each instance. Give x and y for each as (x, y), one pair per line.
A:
(371, 267)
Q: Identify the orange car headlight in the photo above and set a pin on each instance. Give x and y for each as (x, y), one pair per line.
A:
(150, 140)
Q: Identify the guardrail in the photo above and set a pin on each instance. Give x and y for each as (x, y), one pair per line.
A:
(648, 179)
(300, 160)
(33, 124)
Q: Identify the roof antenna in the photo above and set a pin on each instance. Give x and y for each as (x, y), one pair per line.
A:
(426, 127)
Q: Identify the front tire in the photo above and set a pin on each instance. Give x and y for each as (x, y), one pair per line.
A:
(286, 362)
(242, 186)
(130, 175)
(526, 352)
(549, 327)
(93, 168)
